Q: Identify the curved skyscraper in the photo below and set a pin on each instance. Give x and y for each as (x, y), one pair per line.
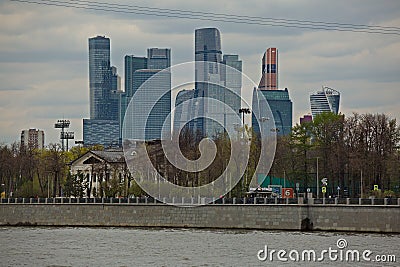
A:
(326, 100)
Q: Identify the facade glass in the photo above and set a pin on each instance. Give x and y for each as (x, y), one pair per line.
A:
(103, 132)
(105, 95)
(281, 108)
(159, 58)
(269, 78)
(213, 77)
(326, 100)
(182, 110)
(139, 124)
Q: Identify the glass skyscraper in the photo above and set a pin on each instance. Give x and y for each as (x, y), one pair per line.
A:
(159, 58)
(326, 100)
(140, 125)
(278, 100)
(182, 109)
(137, 71)
(281, 108)
(104, 99)
(213, 77)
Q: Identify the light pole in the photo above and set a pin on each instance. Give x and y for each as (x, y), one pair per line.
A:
(244, 111)
(317, 179)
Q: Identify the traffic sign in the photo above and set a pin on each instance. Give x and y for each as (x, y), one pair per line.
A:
(287, 193)
(324, 181)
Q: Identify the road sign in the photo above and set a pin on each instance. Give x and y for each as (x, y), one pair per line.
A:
(287, 192)
(324, 189)
(376, 187)
(324, 181)
(308, 190)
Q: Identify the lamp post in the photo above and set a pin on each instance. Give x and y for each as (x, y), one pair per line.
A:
(244, 111)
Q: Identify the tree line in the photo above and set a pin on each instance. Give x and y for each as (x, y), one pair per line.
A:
(354, 153)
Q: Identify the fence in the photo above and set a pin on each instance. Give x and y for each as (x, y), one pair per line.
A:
(200, 201)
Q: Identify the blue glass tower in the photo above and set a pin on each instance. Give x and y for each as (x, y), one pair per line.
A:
(104, 95)
(280, 105)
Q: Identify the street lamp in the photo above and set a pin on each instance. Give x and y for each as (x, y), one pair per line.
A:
(244, 111)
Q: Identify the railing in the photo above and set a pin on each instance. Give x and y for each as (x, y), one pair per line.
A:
(199, 201)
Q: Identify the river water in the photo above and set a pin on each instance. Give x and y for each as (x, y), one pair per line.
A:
(75, 246)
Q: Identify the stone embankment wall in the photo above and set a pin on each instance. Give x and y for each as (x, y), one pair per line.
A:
(266, 217)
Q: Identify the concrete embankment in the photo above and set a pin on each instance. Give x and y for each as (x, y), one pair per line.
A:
(266, 217)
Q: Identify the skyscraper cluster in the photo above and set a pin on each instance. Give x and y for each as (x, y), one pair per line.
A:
(218, 79)
(108, 102)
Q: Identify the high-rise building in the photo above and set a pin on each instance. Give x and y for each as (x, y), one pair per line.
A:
(268, 94)
(32, 138)
(182, 109)
(132, 64)
(159, 58)
(280, 105)
(269, 78)
(217, 79)
(104, 99)
(326, 100)
(139, 124)
(101, 132)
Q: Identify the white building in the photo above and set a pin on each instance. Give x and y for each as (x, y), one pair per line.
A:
(99, 168)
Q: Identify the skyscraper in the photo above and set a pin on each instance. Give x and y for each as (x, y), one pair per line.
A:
(149, 126)
(104, 98)
(182, 109)
(278, 100)
(281, 108)
(269, 78)
(215, 79)
(32, 138)
(132, 64)
(326, 100)
(159, 58)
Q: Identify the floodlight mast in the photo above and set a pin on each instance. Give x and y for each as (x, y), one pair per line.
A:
(64, 124)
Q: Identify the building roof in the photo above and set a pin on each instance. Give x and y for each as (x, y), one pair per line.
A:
(110, 156)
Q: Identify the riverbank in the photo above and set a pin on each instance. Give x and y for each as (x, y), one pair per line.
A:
(294, 217)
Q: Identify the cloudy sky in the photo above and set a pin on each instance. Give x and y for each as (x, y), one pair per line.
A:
(44, 54)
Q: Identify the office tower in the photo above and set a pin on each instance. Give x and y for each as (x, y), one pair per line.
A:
(32, 138)
(280, 105)
(215, 80)
(326, 100)
(268, 96)
(104, 99)
(232, 76)
(101, 132)
(159, 58)
(132, 64)
(182, 109)
(99, 77)
(269, 78)
(143, 125)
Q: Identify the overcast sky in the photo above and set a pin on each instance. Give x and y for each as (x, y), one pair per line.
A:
(44, 54)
